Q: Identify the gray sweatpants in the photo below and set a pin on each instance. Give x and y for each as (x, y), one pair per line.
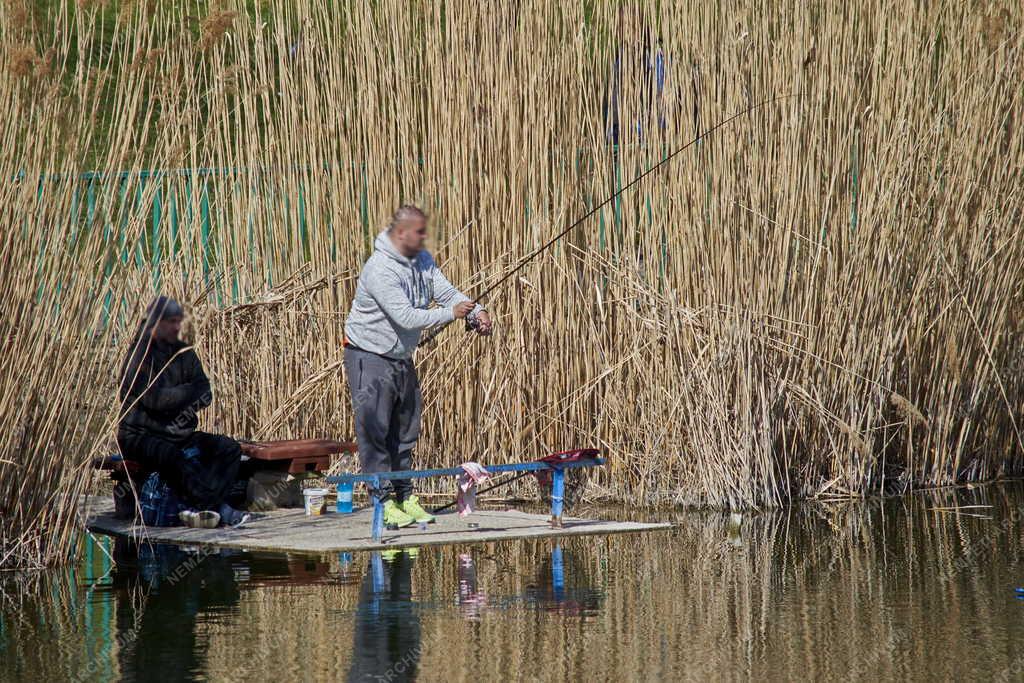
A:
(387, 406)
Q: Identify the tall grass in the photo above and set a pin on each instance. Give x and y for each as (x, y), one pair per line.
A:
(821, 300)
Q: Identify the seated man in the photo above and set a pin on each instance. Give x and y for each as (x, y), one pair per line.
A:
(163, 387)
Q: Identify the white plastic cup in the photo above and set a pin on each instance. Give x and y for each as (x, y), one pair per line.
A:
(314, 501)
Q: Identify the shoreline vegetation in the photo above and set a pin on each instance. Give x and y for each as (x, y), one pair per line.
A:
(821, 300)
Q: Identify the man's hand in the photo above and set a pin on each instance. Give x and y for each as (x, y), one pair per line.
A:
(461, 310)
(484, 324)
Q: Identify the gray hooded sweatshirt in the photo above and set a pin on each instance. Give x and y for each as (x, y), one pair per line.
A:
(392, 299)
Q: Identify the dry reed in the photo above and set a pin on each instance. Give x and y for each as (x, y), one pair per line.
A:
(821, 300)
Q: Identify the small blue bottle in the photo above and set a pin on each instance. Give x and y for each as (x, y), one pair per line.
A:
(344, 505)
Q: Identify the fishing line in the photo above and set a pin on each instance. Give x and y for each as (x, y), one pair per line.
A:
(430, 336)
(547, 245)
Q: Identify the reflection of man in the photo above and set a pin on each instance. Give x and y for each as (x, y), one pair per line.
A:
(388, 642)
(390, 309)
(158, 636)
(163, 388)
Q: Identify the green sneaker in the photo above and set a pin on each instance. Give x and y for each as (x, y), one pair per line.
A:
(393, 515)
(412, 508)
(390, 556)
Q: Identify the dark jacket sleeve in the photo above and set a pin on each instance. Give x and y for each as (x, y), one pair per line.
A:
(202, 393)
(164, 398)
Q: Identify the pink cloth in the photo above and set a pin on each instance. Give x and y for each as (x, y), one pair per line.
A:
(472, 474)
(471, 599)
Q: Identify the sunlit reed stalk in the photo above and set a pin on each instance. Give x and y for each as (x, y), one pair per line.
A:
(822, 300)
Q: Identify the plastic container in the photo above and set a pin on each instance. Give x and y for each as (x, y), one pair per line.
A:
(344, 504)
(314, 501)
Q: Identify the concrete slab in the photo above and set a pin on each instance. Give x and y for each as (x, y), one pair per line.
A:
(292, 531)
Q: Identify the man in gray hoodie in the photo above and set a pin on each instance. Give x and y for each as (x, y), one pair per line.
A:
(390, 309)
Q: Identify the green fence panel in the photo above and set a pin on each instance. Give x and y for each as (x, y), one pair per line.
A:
(154, 243)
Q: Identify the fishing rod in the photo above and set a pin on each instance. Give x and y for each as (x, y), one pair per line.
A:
(547, 245)
(482, 491)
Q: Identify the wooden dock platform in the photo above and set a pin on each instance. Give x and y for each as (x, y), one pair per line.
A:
(290, 530)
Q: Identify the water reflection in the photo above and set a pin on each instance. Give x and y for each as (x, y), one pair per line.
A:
(388, 639)
(387, 631)
(913, 588)
(552, 592)
(471, 600)
(161, 591)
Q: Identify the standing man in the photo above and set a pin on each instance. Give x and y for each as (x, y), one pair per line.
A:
(390, 309)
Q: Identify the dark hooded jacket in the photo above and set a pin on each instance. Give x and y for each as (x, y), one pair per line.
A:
(163, 388)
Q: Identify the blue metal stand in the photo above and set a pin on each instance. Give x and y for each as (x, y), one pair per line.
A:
(378, 512)
(557, 496)
(377, 477)
(557, 574)
(377, 579)
(375, 481)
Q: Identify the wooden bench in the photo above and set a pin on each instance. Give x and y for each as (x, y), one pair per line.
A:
(118, 466)
(292, 456)
(551, 464)
(128, 477)
(295, 456)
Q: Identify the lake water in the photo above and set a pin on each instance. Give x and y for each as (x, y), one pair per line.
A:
(915, 588)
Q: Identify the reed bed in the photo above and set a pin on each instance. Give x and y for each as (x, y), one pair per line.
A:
(821, 300)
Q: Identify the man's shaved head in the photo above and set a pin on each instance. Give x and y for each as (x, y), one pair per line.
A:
(404, 213)
(408, 230)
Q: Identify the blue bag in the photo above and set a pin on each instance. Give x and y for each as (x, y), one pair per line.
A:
(158, 503)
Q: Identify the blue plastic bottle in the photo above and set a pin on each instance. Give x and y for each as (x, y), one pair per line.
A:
(344, 505)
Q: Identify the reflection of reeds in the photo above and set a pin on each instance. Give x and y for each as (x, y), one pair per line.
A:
(818, 301)
(855, 591)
